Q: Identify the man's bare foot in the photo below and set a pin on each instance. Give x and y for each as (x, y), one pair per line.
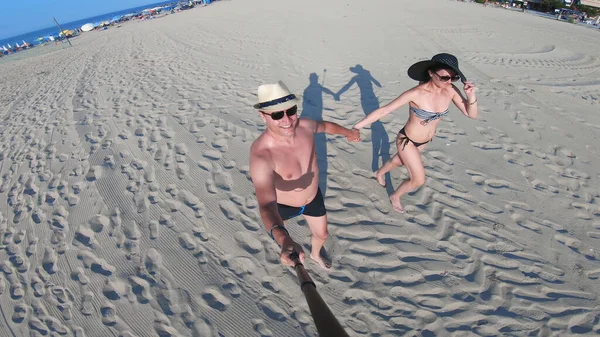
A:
(380, 178)
(396, 203)
(321, 262)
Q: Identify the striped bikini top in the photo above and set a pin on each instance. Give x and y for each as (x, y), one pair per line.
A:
(427, 116)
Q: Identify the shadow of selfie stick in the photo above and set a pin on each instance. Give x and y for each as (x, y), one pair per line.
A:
(327, 324)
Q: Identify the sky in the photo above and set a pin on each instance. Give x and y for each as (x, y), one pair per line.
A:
(24, 16)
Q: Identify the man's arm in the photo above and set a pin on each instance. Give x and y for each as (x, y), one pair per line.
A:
(336, 129)
(262, 175)
(327, 91)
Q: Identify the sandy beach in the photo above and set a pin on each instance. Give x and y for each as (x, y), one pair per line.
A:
(127, 208)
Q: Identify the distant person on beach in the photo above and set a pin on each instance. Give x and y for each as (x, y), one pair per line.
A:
(428, 103)
(284, 170)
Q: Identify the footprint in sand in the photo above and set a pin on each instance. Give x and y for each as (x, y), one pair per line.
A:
(212, 154)
(187, 241)
(78, 275)
(221, 144)
(229, 209)
(37, 325)
(49, 260)
(109, 314)
(20, 312)
(190, 200)
(239, 265)
(232, 287)
(153, 261)
(131, 230)
(182, 170)
(115, 289)
(141, 288)
(215, 299)
(222, 180)
(165, 330)
(199, 230)
(166, 220)
(210, 186)
(272, 310)
(205, 165)
(95, 264)
(85, 236)
(99, 222)
(248, 242)
(153, 228)
(260, 327)
(87, 306)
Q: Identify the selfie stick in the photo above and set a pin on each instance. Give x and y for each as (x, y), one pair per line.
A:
(327, 324)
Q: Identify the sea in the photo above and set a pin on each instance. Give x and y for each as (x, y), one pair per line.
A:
(31, 37)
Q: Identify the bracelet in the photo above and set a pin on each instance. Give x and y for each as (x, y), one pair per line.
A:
(475, 101)
(280, 227)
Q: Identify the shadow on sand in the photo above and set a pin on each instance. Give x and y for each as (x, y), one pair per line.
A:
(369, 102)
(312, 107)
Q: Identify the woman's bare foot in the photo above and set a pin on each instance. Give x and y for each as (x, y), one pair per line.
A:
(318, 259)
(380, 178)
(396, 203)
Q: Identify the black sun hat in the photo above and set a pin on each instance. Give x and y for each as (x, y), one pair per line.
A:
(418, 71)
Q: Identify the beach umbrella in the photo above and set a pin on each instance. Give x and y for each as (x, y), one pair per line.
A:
(5, 49)
(326, 323)
(87, 27)
(9, 47)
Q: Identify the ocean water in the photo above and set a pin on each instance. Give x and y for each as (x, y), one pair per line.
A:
(32, 36)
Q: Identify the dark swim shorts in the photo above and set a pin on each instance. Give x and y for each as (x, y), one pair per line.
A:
(315, 208)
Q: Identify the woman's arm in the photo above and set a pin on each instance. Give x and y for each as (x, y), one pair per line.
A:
(376, 115)
(468, 106)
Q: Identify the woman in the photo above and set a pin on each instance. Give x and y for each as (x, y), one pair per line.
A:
(428, 103)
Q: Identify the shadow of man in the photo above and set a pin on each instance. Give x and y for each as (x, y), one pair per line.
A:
(379, 137)
(312, 107)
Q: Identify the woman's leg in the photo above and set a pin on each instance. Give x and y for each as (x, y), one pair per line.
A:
(394, 162)
(391, 164)
(411, 158)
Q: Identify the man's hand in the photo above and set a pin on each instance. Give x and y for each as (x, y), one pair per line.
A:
(288, 247)
(353, 135)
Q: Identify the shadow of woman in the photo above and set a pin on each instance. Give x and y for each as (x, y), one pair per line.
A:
(312, 107)
(379, 137)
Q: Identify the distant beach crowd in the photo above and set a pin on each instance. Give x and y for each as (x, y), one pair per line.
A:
(61, 35)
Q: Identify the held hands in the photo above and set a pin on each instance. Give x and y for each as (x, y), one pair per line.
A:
(353, 135)
(288, 247)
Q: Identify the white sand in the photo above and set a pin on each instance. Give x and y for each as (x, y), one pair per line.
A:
(129, 212)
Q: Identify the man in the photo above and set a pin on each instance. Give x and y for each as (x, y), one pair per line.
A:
(284, 171)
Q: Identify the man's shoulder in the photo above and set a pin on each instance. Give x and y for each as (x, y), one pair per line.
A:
(307, 123)
(258, 143)
(259, 151)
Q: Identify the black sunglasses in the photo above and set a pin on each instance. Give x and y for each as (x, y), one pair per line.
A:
(448, 78)
(279, 114)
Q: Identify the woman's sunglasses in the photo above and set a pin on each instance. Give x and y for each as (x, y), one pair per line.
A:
(448, 78)
(279, 114)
